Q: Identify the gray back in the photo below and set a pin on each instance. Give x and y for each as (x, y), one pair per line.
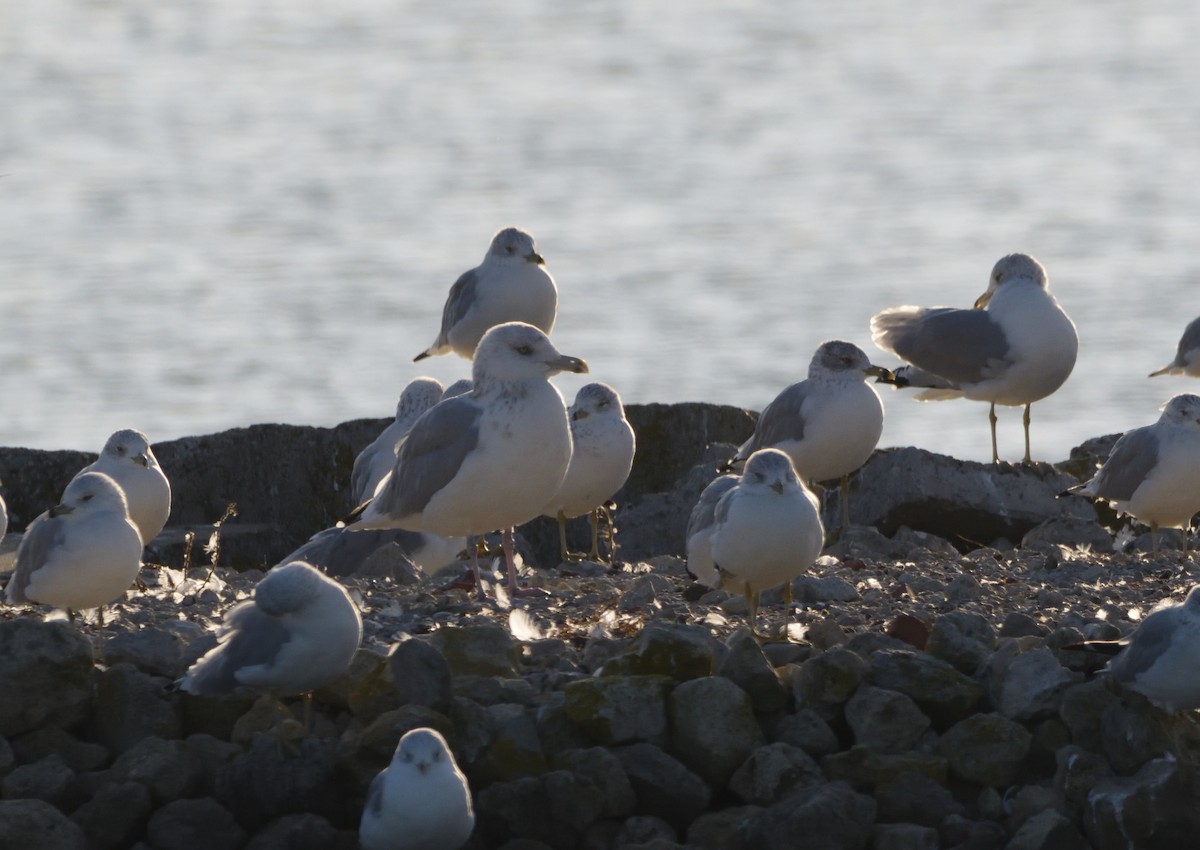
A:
(458, 302)
(1132, 458)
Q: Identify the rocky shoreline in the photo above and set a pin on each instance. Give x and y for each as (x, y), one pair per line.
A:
(926, 700)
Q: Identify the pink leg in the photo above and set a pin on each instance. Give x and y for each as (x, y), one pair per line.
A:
(473, 548)
(510, 550)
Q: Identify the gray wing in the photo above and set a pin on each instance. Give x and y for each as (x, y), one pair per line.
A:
(361, 473)
(964, 346)
(780, 420)
(340, 551)
(704, 512)
(375, 794)
(42, 535)
(723, 503)
(1152, 638)
(1133, 457)
(458, 303)
(432, 455)
(251, 638)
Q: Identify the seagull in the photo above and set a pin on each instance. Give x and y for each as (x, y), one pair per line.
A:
(1153, 472)
(1160, 658)
(421, 801)
(510, 285)
(377, 459)
(128, 460)
(827, 424)
(490, 459)
(297, 634)
(1016, 347)
(601, 459)
(82, 553)
(1187, 355)
(460, 387)
(700, 530)
(339, 551)
(767, 528)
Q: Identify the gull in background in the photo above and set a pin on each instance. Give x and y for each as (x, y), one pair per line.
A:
(1016, 347)
(1187, 355)
(128, 459)
(376, 460)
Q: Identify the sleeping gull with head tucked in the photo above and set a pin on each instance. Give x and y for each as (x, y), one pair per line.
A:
(421, 801)
(829, 423)
(601, 459)
(766, 529)
(82, 553)
(1016, 347)
(1153, 472)
(128, 460)
(1187, 354)
(490, 459)
(510, 285)
(376, 460)
(297, 634)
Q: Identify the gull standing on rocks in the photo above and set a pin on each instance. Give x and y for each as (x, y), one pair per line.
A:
(1187, 355)
(421, 801)
(1153, 472)
(128, 460)
(510, 285)
(827, 424)
(82, 553)
(490, 459)
(1161, 657)
(1016, 347)
(601, 459)
(767, 529)
(700, 530)
(297, 634)
(376, 460)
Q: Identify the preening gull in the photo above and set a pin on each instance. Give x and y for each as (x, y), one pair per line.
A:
(1016, 347)
(700, 529)
(767, 529)
(827, 424)
(490, 459)
(376, 460)
(1187, 355)
(1153, 472)
(421, 801)
(510, 285)
(601, 459)
(128, 460)
(297, 634)
(82, 553)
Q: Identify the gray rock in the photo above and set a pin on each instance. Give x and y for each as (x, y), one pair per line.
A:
(883, 720)
(8, 758)
(645, 592)
(202, 824)
(669, 649)
(963, 639)
(773, 771)
(78, 755)
(48, 674)
(167, 768)
(620, 709)
(825, 816)
(903, 836)
(807, 730)
(961, 500)
(722, 829)
(814, 589)
(481, 649)
(987, 749)
(644, 830)
(555, 809)
(49, 779)
(942, 692)
(866, 769)
(664, 787)
(916, 799)
(1048, 830)
(420, 674)
(1028, 685)
(157, 652)
(713, 728)
(1082, 709)
(28, 824)
(747, 667)
(295, 832)
(1077, 773)
(556, 730)
(1073, 532)
(826, 681)
(960, 833)
(264, 783)
(1154, 808)
(131, 705)
(604, 770)
(115, 816)
(1019, 624)
(515, 750)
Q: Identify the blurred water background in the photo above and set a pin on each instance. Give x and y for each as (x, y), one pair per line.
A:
(219, 213)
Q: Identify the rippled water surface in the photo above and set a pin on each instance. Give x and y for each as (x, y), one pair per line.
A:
(221, 213)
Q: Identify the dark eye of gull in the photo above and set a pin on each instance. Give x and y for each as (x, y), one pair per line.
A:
(524, 349)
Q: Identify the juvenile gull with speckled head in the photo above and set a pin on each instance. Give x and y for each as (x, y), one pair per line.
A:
(1016, 347)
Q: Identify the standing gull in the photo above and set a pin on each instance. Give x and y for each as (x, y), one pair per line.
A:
(510, 285)
(82, 553)
(1153, 472)
(827, 424)
(700, 530)
(1016, 347)
(376, 460)
(128, 460)
(421, 801)
(297, 634)
(601, 459)
(767, 528)
(490, 459)
(1187, 355)
(1161, 657)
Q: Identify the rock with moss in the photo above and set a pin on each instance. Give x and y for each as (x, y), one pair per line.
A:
(620, 709)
